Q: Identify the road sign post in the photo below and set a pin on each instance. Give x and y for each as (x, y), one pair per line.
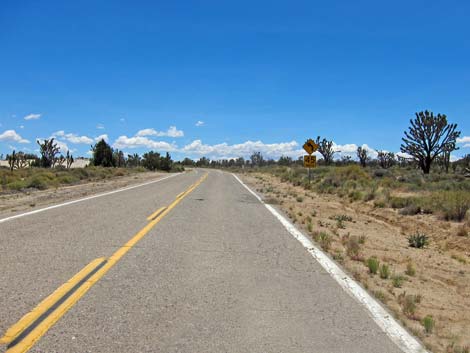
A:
(310, 161)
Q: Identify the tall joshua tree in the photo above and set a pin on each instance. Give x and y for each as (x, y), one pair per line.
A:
(49, 150)
(325, 147)
(427, 137)
(363, 156)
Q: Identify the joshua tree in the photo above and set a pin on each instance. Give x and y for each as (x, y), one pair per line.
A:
(166, 162)
(429, 136)
(68, 160)
(363, 156)
(257, 159)
(325, 148)
(386, 159)
(119, 159)
(133, 160)
(11, 158)
(49, 150)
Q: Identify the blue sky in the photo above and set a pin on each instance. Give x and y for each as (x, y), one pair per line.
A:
(257, 75)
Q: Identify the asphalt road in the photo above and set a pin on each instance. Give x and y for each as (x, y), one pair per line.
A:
(218, 273)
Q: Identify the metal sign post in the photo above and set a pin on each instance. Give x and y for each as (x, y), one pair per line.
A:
(310, 161)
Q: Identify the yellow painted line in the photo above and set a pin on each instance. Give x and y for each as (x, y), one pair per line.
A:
(180, 195)
(45, 325)
(153, 215)
(42, 307)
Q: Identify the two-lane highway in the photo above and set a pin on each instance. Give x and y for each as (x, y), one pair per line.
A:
(193, 263)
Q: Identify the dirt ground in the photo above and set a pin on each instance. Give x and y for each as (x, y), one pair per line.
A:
(440, 286)
(30, 200)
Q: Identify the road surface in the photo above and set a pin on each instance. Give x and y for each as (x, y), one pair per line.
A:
(215, 272)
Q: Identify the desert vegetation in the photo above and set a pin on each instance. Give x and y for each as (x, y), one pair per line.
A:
(51, 168)
(398, 224)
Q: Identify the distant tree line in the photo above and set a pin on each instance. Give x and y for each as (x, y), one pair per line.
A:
(429, 141)
(102, 155)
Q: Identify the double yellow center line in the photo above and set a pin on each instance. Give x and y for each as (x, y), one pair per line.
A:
(29, 329)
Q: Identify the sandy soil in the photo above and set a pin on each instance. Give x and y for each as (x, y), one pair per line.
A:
(29, 200)
(441, 284)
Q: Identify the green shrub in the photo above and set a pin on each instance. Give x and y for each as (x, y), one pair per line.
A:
(67, 179)
(384, 271)
(410, 269)
(380, 296)
(428, 323)
(418, 240)
(397, 281)
(409, 306)
(453, 205)
(310, 227)
(373, 265)
(399, 202)
(353, 248)
(17, 185)
(323, 239)
(39, 182)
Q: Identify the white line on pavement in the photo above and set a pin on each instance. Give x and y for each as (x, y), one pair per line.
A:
(84, 199)
(402, 338)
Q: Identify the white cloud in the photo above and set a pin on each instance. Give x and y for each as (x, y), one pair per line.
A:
(32, 117)
(147, 132)
(140, 142)
(465, 139)
(171, 132)
(467, 145)
(100, 126)
(350, 149)
(73, 138)
(11, 135)
(224, 150)
(102, 137)
(21, 126)
(199, 123)
(63, 147)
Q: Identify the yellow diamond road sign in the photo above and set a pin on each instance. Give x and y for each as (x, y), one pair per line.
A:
(310, 161)
(310, 146)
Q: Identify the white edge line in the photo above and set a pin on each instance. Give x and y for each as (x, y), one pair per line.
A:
(84, 199)
(401, 337)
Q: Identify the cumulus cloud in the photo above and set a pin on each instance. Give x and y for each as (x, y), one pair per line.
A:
(171, 132)
(350, 149)
(465, 140)
(142, 142)
(199, 123)
(73, 138)
(12, 135)
(102, 137)
(63, 147)
(245, 149)
(32, 117)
